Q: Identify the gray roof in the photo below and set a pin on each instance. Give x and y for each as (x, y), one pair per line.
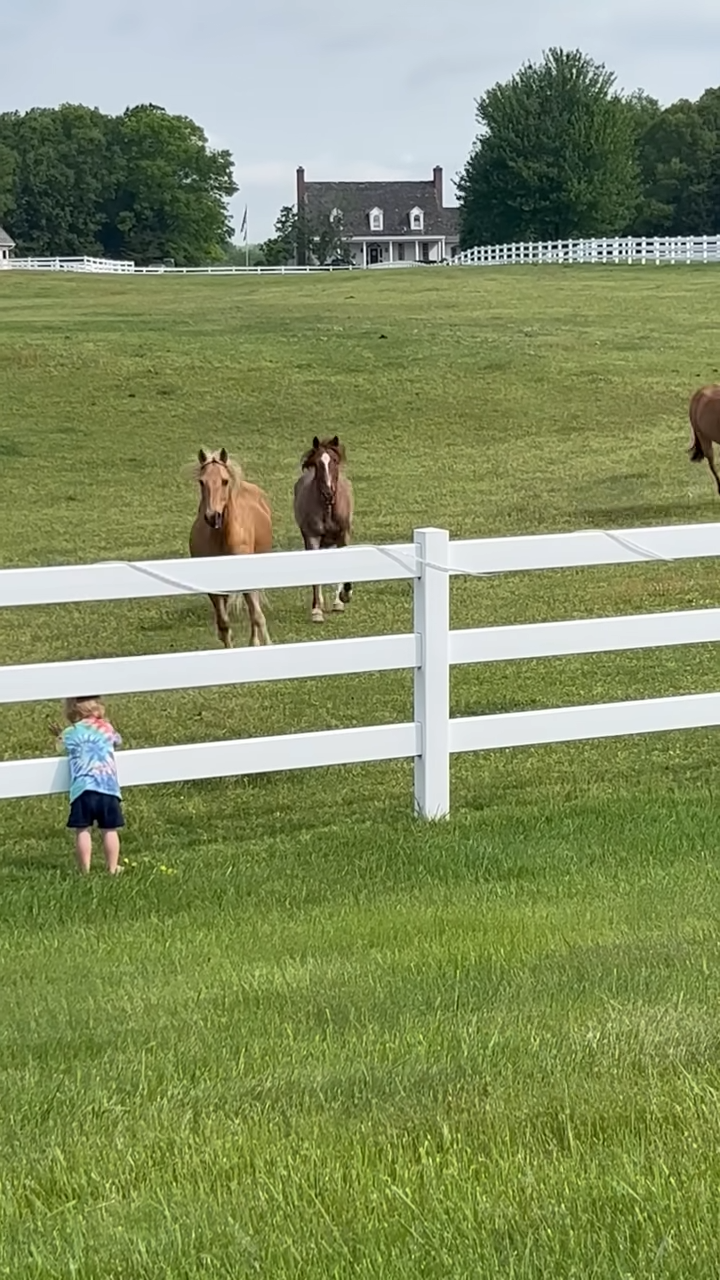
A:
(396, 199)
(5, 241)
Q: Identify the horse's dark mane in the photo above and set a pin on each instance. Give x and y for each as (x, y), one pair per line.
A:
(324, 446)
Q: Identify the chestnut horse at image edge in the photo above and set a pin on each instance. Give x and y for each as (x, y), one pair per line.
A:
(705, 426)
(323, 505)
(233, 519)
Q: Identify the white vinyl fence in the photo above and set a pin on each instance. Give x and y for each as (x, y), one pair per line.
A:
(430, 737)
(109, 266)
(610, 251)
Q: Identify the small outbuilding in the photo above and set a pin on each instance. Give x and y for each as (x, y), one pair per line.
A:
(7, 244)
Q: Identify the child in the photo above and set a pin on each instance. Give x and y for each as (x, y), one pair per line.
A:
(94, 790)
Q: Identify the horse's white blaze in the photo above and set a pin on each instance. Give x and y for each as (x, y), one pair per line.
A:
(325, 462)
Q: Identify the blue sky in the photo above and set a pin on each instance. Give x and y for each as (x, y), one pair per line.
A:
(364, 90)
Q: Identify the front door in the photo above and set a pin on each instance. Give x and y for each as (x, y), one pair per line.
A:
(374, 254)
(425, 248)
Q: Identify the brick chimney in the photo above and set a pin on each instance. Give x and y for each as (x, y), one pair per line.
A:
(438, 182)
(301, 245)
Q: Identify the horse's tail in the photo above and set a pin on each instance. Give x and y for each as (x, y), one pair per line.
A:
(695, 452)
(236, 602)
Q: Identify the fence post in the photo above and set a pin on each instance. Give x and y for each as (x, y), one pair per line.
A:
(431, 623)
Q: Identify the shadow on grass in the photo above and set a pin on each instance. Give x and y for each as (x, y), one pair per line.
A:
(641, 514)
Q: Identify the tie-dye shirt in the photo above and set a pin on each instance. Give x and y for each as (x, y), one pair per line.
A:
(90, 747)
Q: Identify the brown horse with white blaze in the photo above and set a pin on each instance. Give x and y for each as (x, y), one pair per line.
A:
(705, 426)
(233, 519)
(324, 510)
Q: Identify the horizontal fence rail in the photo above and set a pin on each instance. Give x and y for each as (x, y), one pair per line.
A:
(128, 579)
(109, 266)
(606, 251)
(430, 651)
(195, 761)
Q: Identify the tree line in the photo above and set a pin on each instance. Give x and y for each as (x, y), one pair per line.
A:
(143, 185)
(562, 154)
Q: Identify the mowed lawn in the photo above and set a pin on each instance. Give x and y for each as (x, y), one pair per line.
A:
(305, 1036)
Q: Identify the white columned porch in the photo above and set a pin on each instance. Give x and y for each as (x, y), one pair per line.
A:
(390, 252)
(364, 253)
(417, 250)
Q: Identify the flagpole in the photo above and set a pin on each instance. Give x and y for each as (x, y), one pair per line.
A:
(247, 244)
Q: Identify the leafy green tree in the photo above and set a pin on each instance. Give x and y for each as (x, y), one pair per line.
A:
(328, 242)
(144, 185)
(7, 179)
(678, 155)
(301, 239)
(234, 255)
(708, 108)
(555, 157)
(172, 196)
(64, 171)
(281, 248)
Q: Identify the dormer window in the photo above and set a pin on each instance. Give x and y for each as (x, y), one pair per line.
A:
(417, 219)
(376, 219)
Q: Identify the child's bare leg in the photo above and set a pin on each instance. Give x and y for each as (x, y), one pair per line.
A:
(83, 849)
(111, 849)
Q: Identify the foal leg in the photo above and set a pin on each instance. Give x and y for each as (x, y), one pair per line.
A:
(317, 612)
(318, 605)
(343, 593)
(222, 619)
(258, 626)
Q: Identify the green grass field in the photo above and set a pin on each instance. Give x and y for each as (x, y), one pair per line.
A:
(305, 1036)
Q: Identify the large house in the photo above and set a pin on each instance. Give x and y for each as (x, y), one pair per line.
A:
(6, 245)
(385, 222)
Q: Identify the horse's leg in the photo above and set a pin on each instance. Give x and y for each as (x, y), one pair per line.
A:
(263, 624)
(222, 619)
(343, 593)
(318, 604)
(258, 626)
(707, 448)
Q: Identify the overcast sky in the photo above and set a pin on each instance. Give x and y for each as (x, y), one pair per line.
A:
(364, 90)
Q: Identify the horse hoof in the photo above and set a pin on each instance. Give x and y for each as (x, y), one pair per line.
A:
(317, 615)
(339, 606)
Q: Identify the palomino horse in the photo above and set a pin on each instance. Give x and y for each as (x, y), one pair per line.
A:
(233, 519)
(324, 510)
(705, 425)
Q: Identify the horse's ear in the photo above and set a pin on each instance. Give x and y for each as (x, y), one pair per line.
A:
(202, 457)
(223, 455)
(316, 443)
(335, 441)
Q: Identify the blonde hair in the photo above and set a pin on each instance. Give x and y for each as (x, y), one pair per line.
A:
(82, 709)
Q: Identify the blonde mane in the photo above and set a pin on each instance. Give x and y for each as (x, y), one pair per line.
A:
(231, 465)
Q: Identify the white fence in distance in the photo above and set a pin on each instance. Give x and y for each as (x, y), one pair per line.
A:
(109, 266)
(605, 252)
(430, 737)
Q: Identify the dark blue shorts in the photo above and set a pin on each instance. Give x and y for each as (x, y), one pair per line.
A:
(93, 806)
